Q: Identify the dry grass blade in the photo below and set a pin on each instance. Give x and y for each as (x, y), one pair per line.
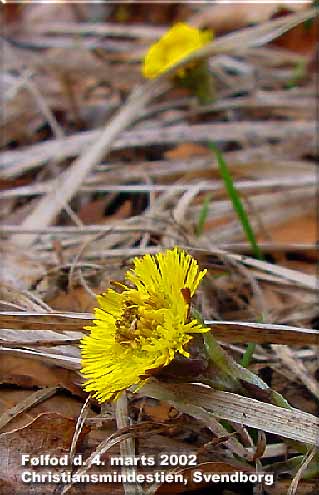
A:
(288, 423)
(284, 274)
(38, 321)
(67, 362)
(14, 162)
(302, 279)
(79, 426)
(101, 449)
(39, 342)
(263, 333)
(294, 484)
(101, 29)
(115, 438)
(70, 180)
(227, 331)
(297, 368)
(189, 188)
(209, 420)
(38, 337)
(32, 400)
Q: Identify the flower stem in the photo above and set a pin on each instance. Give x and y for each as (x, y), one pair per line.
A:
(235, 375)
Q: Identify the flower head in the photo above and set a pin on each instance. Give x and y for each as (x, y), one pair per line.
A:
(181, 40)
(141, 327)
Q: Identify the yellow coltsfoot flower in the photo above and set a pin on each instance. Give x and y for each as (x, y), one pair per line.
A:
(181, 40)
(139, 329)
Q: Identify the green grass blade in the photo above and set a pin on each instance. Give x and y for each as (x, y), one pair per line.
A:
(244, 220)
(236, 200)
(202, 217)
(247, 357)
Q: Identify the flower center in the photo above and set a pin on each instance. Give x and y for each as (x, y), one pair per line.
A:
(127, 325)
(137, 323)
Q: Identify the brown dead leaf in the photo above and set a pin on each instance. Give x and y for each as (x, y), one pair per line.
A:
(158, 411)
(300, 39)
(29, 373)
(60, 404)
(49, 433)
(76, 300)
(205, 467)
(95, 211)
(216, 223)
(187, 150)
(292, 231)
(12, 13)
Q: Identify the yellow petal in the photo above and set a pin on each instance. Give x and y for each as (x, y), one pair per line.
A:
(179, 42)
